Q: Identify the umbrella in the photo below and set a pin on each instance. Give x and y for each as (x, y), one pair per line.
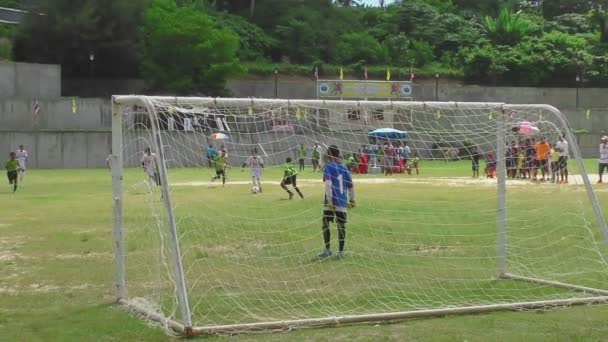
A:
(219, 136)
(526, 128)
(388, 133)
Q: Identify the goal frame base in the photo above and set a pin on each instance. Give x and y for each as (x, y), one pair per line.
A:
(601, 297)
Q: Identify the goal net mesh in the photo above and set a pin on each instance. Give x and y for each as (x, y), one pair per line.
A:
(423, 237)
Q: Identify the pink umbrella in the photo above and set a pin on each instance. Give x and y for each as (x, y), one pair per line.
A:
(219, 136)
(527, 128)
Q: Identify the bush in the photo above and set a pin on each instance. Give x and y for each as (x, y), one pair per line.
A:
(6, 49)
(255, 44)
(357, 47)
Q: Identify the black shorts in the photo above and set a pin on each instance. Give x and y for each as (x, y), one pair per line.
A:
(562, 163)
(220, 173)
(555, 166)
(12, 176)
(475, 165)
(540, 164)
(328, 216)
(603, 166)
(290, 180)
(511, 163)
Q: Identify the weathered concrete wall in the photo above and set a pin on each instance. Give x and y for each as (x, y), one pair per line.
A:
(54, 149)
(26, 80)
(557, 97)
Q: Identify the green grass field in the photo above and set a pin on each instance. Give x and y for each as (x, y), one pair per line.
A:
(412, 243)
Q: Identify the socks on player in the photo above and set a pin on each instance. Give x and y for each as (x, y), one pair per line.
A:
(299, 192)
(341, 237)
(326, 236)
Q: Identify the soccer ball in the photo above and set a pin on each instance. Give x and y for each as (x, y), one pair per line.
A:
(255, 190)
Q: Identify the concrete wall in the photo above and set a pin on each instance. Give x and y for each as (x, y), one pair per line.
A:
(60, 138)
(558, 97)
(26, 80)
(54, 149)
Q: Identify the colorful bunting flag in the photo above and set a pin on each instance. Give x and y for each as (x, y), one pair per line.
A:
(36, 108)
(74, 105)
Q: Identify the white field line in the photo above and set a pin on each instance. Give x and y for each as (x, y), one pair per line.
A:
(438, 181)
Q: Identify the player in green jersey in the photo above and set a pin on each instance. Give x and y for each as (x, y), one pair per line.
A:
(12, 170)
(290, 177)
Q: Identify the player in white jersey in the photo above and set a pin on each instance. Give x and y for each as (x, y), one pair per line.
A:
(256, 164)
(150, 164)
(22, 158)
(562, 148)
(603, 164)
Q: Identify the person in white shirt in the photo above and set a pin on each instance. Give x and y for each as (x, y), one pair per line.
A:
(22, 158)
(188, 124)
(150, 164)
(562, 163)
(256, 164)
(603, 164)
(171, 123)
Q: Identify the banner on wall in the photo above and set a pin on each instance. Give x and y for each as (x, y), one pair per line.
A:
(353, 89)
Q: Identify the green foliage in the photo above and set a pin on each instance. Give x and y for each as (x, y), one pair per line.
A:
(600, 19)
(356, 47)
(255, 44)
(5, 49)
(554, 58)
(70, 31)
(572, 23)
(420, 53)
(506, 29)
(554, 8)
(185, 51)
(9, 3)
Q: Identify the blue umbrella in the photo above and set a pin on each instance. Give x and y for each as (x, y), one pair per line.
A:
(388, 133)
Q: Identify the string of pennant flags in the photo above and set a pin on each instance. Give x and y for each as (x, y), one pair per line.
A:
(37, 108)
(365, 74)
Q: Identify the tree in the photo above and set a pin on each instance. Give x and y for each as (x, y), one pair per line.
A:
(70, 32)
(555, 8)
(356, 47)
(186, 52)
(506, 29)
(600, 19)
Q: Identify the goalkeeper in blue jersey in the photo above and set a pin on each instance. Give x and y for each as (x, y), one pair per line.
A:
(339, 195)
(290, 177)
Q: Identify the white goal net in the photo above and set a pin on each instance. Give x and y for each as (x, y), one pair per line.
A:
(429, 235)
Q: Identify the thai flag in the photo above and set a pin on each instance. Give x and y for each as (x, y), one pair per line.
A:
(316, 73)
(36, 108)
(365, 73)
(412, 76)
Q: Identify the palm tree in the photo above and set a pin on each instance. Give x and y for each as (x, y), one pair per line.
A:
(506, 29)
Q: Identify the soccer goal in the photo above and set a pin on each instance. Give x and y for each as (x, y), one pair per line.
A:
(429, 237)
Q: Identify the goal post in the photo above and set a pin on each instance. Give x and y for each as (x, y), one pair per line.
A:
(199, 258)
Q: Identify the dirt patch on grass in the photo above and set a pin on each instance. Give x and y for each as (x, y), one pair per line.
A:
(80, 256)
(9, 247)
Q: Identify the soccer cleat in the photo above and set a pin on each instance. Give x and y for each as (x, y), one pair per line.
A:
(340, 254)
(290, 195)
(325, 254)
